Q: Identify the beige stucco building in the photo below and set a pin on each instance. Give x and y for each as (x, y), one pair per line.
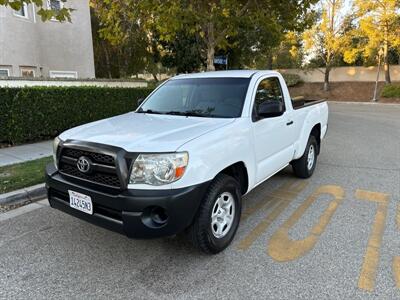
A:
(32, 48)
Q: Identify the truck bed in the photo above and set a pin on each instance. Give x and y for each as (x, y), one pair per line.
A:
(300, 102)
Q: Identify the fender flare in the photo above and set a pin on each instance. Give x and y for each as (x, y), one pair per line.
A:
(305, 134)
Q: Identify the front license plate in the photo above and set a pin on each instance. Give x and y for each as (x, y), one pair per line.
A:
(80, 202)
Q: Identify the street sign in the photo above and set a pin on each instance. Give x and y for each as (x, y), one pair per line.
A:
(220, 60)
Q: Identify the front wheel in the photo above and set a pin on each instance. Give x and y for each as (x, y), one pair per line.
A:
(305, 165)
(218, 217)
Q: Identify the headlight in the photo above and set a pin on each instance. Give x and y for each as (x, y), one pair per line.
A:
(158, 169)
(56, 142)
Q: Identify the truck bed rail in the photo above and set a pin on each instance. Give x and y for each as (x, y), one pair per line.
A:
(300, 102)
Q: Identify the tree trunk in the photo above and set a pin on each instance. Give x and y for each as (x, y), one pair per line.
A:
(269, 61)
(326, 79)
(387, 71)
(210, 58)
(210, 47)
(386, 57)
(107, 58)
(154, 76)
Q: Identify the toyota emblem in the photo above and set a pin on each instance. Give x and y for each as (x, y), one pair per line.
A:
(84, 164)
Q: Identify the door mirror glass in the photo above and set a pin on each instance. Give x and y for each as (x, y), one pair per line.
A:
(269, 109)
(269, 101)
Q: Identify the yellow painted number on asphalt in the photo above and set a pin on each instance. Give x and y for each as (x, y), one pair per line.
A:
(282, 248)
(396, 260)
(371, 257)
(281, 198)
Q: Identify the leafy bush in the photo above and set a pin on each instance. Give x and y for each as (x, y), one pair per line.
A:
(391, 91)
(38, 113)
(292, 79)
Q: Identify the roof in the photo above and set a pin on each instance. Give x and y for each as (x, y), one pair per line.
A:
(224, 74)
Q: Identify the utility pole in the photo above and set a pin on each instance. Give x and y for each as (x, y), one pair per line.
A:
(380, 53)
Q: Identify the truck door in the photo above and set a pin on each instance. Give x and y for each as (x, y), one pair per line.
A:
(273, 136)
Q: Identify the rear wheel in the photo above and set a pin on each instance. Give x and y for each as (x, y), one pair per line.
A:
(304, 166)
(218, 217)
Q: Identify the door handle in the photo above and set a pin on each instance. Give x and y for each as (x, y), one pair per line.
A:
(289, 123)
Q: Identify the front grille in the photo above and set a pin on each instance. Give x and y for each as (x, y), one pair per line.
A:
(96, 157)
(104, 172)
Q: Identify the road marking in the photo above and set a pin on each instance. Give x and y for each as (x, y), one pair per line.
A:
(367, 277)
(396, 260)
(284, 191)
(282, 197)
(396, 270)
(281, 248)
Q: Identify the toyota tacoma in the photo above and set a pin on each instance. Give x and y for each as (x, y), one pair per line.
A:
(182, 161)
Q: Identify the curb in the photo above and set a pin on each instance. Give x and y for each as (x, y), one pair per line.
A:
(32, 193)
(23, 210)
(364, 103)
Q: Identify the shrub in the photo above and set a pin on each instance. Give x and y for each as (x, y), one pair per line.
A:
(292, 79)
(391, 91)
(37, 113)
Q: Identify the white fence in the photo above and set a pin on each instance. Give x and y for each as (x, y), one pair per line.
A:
(65, 83)
(341, 74)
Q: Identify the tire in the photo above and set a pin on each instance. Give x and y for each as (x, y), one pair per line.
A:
(302, 167)
(209, 237)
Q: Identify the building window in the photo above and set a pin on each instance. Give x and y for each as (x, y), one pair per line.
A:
(55, 5)
(64, 74)
(27, 72)
(4, 73)
(23, 12)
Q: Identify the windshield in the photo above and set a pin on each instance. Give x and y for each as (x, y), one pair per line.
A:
(202, 97)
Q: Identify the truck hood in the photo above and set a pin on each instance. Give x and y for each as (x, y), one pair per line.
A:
(139, 132)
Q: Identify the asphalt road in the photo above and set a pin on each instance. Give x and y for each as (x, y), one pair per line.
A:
(334, 236)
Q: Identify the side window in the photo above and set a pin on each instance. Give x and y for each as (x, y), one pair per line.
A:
(269, 90)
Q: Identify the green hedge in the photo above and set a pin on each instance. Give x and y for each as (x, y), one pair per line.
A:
(391, 91)
(37, 113)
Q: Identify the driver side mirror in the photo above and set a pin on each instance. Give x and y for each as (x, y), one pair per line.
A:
(139, 101)
(268, 109)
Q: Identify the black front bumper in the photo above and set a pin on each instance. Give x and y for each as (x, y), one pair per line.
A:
(130, 212)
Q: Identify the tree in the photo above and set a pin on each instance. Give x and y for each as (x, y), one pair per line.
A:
(121, 32)
(252, 45)
(63, 14)
(215, 23)
(379, 27)
(289, 54)
(219, 22)
(105, 55)
(327, 38)
(183, 53)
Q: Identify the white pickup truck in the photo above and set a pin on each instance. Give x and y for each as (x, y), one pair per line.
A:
(183, 160)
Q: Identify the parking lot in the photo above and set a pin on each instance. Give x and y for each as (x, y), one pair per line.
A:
(334, 236)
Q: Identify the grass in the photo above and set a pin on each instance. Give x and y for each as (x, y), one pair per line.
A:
(22, 175)
(391, 91)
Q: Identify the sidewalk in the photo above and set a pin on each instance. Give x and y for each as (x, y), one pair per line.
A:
(18, 154)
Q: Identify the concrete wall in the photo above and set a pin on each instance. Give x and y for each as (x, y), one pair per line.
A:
(99, 83)
(48, 46)
(341, 74)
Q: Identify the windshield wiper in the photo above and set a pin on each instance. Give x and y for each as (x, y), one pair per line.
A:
(177, 113)
(149, 111)
(186, 113)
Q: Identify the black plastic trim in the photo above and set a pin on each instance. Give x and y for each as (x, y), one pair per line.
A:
(307, 103)
(128, 211)
(121, 159)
